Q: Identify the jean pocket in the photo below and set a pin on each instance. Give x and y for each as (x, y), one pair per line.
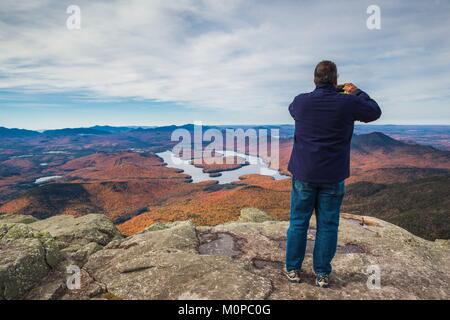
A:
(302, 185)
(336, 189)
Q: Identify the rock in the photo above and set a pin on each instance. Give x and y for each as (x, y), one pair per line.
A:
(76, 239)
(236, 260)
(26, 256)
(79, 231)
(165, 264)
(79, 237)
(181, 236)
(411, 267)
(443, 242)
(161, 226)
(52, 287)
(80, 253)
(90, 289)
(244, 260)
(17, 218)
(253, 215)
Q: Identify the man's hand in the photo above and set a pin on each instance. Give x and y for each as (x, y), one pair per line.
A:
(350, 88)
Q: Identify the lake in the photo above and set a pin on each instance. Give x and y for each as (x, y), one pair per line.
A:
(256, 166)
(47, 179)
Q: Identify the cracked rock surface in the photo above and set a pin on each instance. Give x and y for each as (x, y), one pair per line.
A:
(244, 260)
(165, 264)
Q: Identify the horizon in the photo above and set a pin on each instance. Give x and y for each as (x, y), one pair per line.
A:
(156, 62)
(217, 125)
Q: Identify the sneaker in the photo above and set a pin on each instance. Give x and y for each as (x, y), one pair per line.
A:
(292, 275)
(323, 281)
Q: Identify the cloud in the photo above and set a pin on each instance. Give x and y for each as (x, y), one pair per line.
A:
(248, 57)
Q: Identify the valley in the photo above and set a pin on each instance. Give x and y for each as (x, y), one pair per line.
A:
(121, 174)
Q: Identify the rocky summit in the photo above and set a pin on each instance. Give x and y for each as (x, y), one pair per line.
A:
(236, 260)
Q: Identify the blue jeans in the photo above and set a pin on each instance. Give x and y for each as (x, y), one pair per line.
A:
(326, 200)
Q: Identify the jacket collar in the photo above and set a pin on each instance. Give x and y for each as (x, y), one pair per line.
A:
(326, 87)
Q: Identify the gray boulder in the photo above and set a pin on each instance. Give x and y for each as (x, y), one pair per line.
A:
(79, 231)
(34, 255)
(17, 218)
(26, 256)
(165, 264)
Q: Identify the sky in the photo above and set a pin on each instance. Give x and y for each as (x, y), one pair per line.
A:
(159, 62)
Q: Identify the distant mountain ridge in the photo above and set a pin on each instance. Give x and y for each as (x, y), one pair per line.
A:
(76, 131)
(437, 136)
(380, 141)
(95, 130)
(17, 133)
(375, 139)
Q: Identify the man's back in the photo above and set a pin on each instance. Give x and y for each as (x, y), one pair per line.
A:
(324, 121)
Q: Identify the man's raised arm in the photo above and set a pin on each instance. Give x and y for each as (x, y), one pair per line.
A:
(365, 109)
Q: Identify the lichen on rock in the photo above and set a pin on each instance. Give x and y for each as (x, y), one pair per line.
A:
(82, 230)
(27, 255)
(17, 218)
(35, 253)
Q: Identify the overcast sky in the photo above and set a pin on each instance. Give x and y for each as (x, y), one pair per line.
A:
(154, 62)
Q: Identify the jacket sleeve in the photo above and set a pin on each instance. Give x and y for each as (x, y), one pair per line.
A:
(365, 109)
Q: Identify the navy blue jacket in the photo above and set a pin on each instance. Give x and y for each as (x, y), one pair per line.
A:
(324, 122)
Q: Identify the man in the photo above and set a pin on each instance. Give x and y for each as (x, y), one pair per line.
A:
(320, 162)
